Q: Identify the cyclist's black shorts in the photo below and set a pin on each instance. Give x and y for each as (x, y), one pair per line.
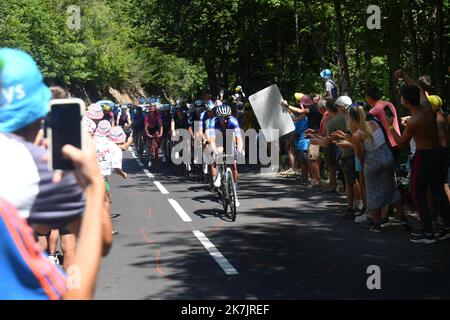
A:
(138, 130)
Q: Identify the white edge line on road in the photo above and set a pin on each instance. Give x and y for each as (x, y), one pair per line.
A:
(149, 174)
(161, 187)
(183, 215)
(215, 253)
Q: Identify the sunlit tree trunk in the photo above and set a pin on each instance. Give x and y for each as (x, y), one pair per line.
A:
(412, 38)
(344, 77)
(367, 67)
(439, 47)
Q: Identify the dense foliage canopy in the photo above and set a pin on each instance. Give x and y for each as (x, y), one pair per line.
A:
(181, 47)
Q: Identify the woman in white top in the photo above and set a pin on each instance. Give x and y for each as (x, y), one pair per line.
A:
(377, 161)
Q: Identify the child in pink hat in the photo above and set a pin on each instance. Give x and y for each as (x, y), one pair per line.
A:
(119, 137)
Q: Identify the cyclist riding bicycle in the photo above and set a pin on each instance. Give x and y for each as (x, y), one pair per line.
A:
(182, 119)
(153, 129)
(203, 125)
(238, 104)
(166, 118)
(197, 110)
(108, 115)
(124, 119)
(223, 122)
(138, 125)
(204, 117)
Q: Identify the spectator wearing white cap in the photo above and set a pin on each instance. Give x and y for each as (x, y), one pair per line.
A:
(346, 155)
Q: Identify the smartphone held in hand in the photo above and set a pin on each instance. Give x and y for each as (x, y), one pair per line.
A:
(64, 127)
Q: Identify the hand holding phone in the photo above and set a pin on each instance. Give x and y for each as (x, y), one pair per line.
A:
(64, 128)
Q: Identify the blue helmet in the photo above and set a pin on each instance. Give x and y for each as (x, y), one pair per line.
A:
(326, 74)
(209, 105)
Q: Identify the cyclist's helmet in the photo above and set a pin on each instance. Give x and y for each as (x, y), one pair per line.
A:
(209, 105)
(223, 111)
(165, 107)
(106, 107)
(218, 103)
(198, 103)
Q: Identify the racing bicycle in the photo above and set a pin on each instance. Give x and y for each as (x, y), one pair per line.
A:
(227, 190)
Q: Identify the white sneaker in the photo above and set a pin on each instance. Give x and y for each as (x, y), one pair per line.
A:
(205, 168)
(188, 166)
(149, 163)
(53, 259)
(195, 161)
(237, 203)
(361, 219)
(217, 182)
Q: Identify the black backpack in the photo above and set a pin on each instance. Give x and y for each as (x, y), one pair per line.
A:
(334, 91)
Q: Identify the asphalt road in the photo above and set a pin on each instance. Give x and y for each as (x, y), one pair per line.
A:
(288, 242)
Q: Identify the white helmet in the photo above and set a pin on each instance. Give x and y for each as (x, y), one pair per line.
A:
(223, 111)
(343, 101)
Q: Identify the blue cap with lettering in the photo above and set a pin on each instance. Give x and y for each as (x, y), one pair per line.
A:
(24, 98)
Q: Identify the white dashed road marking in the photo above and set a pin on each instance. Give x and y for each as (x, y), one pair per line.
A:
(209, 246)
(183, 215)
(220, 259)
(149, 174)
(161, 187)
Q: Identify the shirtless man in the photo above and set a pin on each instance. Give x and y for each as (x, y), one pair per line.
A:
(428, 161)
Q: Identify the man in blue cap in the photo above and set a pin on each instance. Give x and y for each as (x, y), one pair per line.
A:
(330, 86)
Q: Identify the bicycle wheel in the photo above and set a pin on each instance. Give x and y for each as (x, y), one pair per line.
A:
(222, 192)
(156, 158)
(223, 197)
(140, 146)
(231, 190)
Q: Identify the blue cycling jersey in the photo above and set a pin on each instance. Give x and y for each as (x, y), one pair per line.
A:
(203, 118)
(215, 124)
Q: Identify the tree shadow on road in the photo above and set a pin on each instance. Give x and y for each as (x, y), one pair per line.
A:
(310, 254)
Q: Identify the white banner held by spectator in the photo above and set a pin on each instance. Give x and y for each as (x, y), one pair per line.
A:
(267, 107)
